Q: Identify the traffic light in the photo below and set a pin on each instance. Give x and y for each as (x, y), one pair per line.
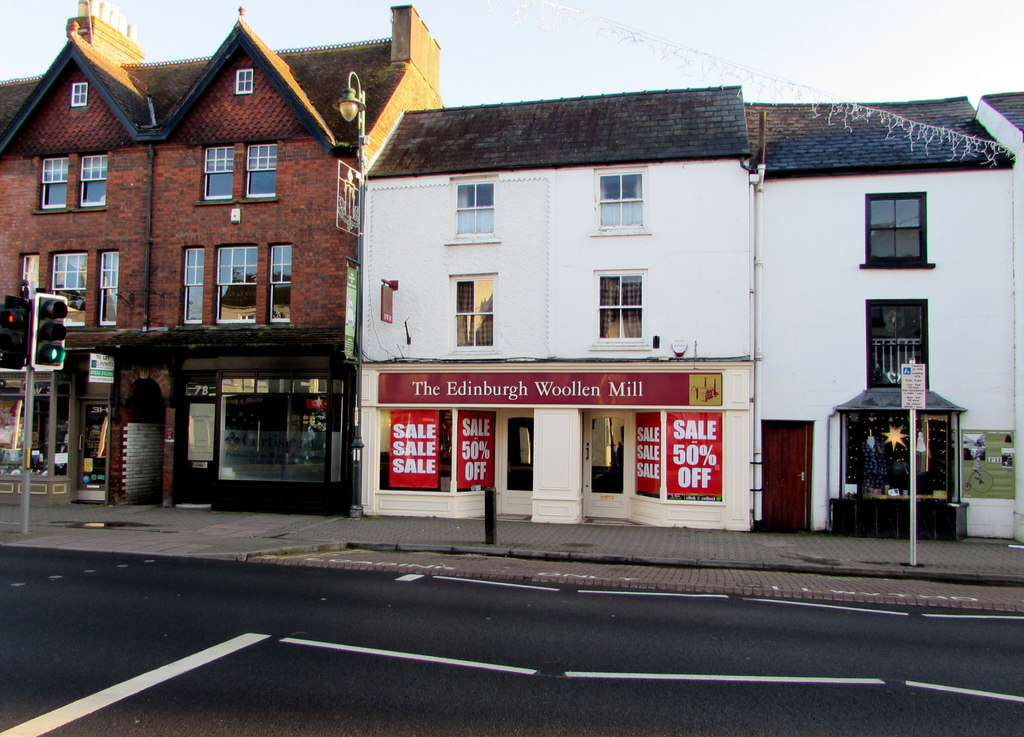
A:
(48, 332)
(15, 337)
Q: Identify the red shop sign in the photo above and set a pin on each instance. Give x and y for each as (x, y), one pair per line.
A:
(695, 456)
(648, 452)
(414, 449)
(475, 449)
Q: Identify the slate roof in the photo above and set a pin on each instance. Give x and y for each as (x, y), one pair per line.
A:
(309, 79)
(633, 127)
(1010, 105)
(806, 139)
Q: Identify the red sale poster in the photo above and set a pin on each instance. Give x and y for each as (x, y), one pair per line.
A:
(414, 449)
(648, 453)
(694, 456)
(476, 449)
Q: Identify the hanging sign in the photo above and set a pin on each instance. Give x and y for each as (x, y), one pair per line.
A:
(694, 456)
(648, 453)
(414, 449)
(351, 311)
(476, 449)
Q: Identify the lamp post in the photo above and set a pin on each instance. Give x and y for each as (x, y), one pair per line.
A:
(352, 106)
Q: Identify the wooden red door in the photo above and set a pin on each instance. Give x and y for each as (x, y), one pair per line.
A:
(786, 476)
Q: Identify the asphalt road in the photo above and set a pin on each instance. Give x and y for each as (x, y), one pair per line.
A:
(121, 645)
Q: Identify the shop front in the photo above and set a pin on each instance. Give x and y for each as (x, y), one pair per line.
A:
(644, 443)
(877, 443)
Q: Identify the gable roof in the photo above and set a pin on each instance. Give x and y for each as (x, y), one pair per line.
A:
(609, 129)
(814, 139)
(150, 100)
(1010, 105)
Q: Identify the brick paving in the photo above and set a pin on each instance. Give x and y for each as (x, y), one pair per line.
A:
(975, 573)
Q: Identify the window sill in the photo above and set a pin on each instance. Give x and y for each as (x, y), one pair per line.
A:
(487, 352)
(623, 346)
(487, 239)
(244, 201)
(57, 210)
(610, 232)
(898, 265)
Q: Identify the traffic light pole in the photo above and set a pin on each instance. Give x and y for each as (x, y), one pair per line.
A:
(26, 443)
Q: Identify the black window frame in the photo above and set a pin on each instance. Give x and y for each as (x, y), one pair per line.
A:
(920, 261)
(878, 378)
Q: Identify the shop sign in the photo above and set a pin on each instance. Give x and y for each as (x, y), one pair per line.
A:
(476, 449)
(987, 466)
(550, 388)
(648, 453)
(695, 456)
(414, 449)
(101, 368)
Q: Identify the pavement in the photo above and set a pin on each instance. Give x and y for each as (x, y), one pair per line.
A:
(202, 533)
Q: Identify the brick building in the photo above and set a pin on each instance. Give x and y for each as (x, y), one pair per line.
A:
(188, 210)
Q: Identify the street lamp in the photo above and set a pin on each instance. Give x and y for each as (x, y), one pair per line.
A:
(352, 106)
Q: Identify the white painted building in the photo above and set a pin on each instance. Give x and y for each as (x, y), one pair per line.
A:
(571, 324)
(877, 251)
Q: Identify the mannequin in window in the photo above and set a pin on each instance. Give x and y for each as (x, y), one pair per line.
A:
(875, 470)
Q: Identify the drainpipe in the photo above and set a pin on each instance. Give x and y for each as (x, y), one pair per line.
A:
(757, 313)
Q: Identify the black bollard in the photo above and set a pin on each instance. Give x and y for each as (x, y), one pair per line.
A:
(489, 515)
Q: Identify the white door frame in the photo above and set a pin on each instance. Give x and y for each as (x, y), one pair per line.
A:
(605, 503)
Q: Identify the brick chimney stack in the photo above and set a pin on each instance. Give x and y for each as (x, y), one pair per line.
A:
(411, 43)
(102, 26)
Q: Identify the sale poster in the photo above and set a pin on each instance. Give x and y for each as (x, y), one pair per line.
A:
(414, 449)
(694, 465)
(648, 453)
(476, 450)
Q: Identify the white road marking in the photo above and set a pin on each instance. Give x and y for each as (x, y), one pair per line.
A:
(409, 656)
(734, 678)
(654, 593)
(83, 707)
(966, 691)
(831, 606)
(499, 583)
(410, 577)
(971, 616)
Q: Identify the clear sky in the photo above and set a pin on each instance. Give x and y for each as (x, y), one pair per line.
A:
(514, 50)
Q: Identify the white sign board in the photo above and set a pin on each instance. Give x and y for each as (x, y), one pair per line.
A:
(912, 385)
(101, 368)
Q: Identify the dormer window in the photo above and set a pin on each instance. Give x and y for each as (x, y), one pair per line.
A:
(79, 94)
(243, 81)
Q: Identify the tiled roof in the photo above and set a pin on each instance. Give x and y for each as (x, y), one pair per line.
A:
(609, 129)
(819, 139)
(13, 95)
(1010, 105)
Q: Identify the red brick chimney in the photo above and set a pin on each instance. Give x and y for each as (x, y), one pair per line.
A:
(411, 43)
(102, 26)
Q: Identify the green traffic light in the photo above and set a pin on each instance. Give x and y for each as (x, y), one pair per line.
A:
(50, 354)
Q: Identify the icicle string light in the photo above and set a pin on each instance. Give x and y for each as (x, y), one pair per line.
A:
(961, 146)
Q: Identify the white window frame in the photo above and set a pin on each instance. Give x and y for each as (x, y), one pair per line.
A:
(469, 214)
(618, 203)
(475, 279)
(110, 262)
(70, 279)
(244, 81)
(193, 281)
(280, 278)
(232, 262)
(260, 157)
(79, 94)
(621, 341)
(94, 169)
(54, 175)
(30, 271)
(217, 162)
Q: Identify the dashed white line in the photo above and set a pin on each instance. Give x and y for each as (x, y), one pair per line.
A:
(499, 583)
(410, 577)
(410, 656)
(973, 616)
(832, 606)
(966, 691)
(83, 707)
(730, 678)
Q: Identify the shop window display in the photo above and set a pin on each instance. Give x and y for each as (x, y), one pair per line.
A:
(877, 461)
(49, 439)
(416, 450)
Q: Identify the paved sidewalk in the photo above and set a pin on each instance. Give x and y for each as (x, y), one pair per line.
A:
(154, 530)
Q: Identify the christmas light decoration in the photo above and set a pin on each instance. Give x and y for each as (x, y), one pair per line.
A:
(769, 87)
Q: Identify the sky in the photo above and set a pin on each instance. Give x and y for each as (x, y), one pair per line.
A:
(495, 51)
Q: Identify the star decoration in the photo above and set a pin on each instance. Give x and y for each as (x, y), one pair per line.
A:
(896, 436)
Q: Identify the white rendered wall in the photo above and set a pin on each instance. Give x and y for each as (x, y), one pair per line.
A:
(814, 294)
